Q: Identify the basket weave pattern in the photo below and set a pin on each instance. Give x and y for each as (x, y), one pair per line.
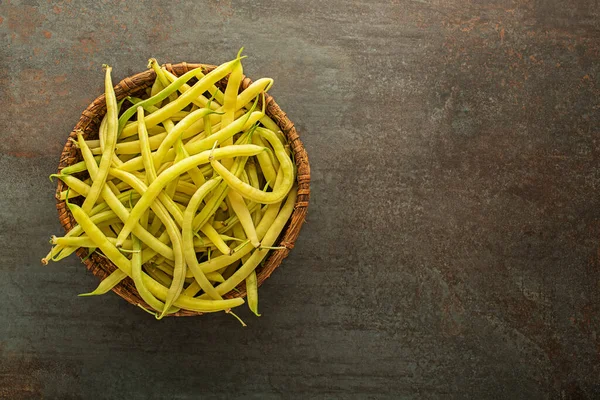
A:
(89, 123)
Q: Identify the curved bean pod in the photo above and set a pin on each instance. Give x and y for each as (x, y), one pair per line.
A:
(109, 148)
(279, 191)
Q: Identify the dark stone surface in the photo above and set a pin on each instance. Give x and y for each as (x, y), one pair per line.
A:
(452, 245)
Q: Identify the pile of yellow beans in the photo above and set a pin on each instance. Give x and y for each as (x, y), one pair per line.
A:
(186, 190)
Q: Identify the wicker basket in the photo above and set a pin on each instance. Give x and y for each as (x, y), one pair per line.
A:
(135, 85)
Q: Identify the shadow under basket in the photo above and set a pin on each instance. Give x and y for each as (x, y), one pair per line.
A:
(135, 85)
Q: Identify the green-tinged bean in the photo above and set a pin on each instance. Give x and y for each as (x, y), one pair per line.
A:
(155, 188)
(158, 290)
(252, 292)
(110, 142)
(59, 251)
(136, 273)
(188, 237)
(77, 167)
(107, 283)
(162, 95)
(186, 98)
(56, 251)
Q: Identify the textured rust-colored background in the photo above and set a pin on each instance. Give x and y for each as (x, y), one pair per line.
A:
(452, 248)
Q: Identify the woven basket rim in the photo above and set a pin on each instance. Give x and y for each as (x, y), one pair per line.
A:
(88, 124)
